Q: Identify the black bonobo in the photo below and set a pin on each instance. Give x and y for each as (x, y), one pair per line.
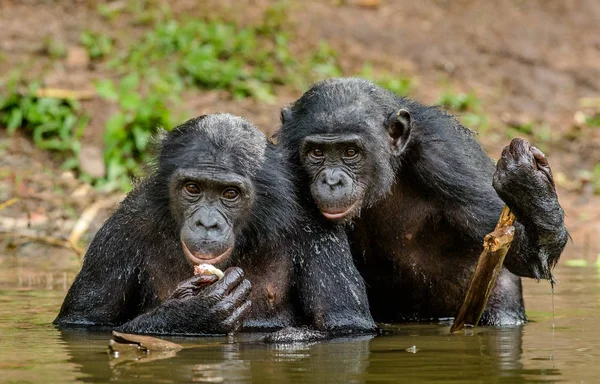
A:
(419, 194)
(222, 195)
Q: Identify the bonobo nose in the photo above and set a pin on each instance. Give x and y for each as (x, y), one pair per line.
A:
(207, 223)
(209, 220)
(333, 178)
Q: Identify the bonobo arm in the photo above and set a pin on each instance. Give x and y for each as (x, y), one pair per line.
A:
(523, 179)
(331, 290)
(107, 290)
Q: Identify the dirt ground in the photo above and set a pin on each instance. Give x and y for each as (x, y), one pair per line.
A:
(528, 61)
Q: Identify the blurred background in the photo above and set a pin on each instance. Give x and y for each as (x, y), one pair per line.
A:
(85, 84)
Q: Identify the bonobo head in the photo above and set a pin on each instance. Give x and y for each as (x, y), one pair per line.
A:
(212, 167)
(348, 135)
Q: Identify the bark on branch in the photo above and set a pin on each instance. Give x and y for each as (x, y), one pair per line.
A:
(495, 247)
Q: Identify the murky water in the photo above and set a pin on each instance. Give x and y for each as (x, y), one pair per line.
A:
(32, 350)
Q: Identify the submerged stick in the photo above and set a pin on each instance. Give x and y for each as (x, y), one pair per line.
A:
(495, 247)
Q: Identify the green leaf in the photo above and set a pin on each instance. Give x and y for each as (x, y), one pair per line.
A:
(130, 100)
(129, 82)
(576, 263)
(15, 121)
(70, 163)
(115, 125)
(106, 89)
(141, 137)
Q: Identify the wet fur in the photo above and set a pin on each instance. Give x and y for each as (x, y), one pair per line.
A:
(418, 236)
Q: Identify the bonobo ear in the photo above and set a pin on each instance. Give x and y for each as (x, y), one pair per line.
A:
(398, 126)
(285, 114)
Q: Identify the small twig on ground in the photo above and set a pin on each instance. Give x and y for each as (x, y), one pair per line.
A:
(58, 93)
(8, 203)
(88, 216)
(46, 240)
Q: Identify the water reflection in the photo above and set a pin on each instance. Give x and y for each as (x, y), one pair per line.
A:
(491, 354)
(240, 359)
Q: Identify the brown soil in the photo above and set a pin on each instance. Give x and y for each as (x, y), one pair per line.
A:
(528, 61)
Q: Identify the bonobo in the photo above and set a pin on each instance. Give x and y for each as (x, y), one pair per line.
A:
(221, 195)
(419, 194)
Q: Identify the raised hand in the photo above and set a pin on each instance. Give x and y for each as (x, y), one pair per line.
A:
(523, 179)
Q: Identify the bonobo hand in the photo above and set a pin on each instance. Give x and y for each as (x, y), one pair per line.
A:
(199, 307)
(524, 181)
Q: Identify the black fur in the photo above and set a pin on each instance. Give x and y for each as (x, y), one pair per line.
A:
(135, 277)
(418, 231)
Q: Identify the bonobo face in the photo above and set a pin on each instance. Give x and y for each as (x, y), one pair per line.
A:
(209, 202)
(208, 166)
(335, 164)
(350, 136)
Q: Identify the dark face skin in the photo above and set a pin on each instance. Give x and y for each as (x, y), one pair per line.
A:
(335, 165)
(208, 203)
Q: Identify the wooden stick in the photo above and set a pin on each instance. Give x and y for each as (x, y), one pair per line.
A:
(48, 240)
(495, 247)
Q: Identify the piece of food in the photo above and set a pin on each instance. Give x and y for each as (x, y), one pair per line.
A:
(207, 269)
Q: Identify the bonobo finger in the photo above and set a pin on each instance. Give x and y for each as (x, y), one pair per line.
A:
(204, 280)
(504, 159)
(185, 289)
(539, 157)
(542, 164)
(241, 292)
(236, 297)
(520, 150)
(235, 321)
(232, 278)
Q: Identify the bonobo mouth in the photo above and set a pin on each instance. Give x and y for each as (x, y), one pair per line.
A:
(338, 214)
(201, 258)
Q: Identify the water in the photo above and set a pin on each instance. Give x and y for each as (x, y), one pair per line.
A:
(32, 350)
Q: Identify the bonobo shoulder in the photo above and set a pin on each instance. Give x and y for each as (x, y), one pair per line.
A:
(276, 211)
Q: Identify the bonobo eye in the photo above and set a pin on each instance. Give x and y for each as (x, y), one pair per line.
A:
(231, 194)
(316, 153)
(350, 153)
(192, 188)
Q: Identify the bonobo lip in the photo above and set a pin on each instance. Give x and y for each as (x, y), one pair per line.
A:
(200, 258)
(337, 215)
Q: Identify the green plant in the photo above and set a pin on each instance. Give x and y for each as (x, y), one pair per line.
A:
(477, 121)
(467, 106)
(55, 48)
(96, 45)
(245, 61)
(593, 120)
(541, 134)
(400, 85)
(128, 131)
(596, 179)
(275, 18)
(460, 102)
(526, 128)
(55, 124)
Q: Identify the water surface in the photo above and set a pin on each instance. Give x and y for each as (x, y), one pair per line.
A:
(32, 350)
